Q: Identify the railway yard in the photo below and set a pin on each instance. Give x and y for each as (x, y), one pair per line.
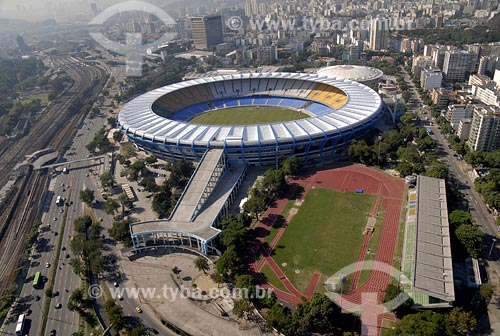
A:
(54, 128)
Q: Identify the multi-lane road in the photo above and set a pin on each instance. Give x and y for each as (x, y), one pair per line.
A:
(68, 185)
(61, 319)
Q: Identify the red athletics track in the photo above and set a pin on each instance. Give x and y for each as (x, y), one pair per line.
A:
(348, 178)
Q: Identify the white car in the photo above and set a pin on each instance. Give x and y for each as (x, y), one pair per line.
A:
(47, 265)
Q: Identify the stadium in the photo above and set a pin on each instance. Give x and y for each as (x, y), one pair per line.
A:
(227, 123)
(324, 115)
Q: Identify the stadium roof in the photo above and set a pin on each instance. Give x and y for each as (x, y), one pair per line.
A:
(356, 73)
(138, 118)
(433, 271)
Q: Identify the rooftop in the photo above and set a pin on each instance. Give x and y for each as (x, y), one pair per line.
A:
(433, 271)
(356, 73)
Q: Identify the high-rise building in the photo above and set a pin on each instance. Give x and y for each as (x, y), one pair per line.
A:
(207, 31)
(457, 112)
(355, 51)
(457, 65)
(379, 33)
(430, 78)
(484, 132)
(420, 62)
(251, 7)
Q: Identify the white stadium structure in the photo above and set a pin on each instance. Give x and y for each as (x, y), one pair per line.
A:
(158, 122)
(358, 73)
(340, 110)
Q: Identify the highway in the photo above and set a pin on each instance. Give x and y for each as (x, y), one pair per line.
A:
(62, 320)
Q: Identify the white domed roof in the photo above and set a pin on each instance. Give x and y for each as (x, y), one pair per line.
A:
(356, 73)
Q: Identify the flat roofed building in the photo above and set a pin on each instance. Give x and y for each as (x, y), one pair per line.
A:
(207, 31)
(485, 129)
(427, 262)
(431, 78)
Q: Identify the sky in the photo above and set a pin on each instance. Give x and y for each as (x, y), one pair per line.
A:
(63, 11)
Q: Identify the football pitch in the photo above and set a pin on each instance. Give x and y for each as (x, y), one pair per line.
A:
(248, 115)
(324, 236)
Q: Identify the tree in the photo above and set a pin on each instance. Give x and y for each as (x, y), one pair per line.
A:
(437, 169)
(278, 317)
(404, 169)
(246, 282)
(163, 203)
(112, 122)
(128, 150)
(120, 231)
(427, 323)
(229, 264)
(117, 136)
(254, 205)
(487, 290)
(87, 196)
(471, 238)
(291, 166)
(241, 307)
(77, 300)
(107, 180)
(111, 206)
(274, 182)
(115, 314)
(149, 183)
(201, 264)
(81, 224)
(176, 270)
(459, 217)
(460, 323)
(138, 331)
(124, 202)
(360, 151)
(151, 160)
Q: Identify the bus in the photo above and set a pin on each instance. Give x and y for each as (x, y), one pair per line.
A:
(37, 280)
(20, 325)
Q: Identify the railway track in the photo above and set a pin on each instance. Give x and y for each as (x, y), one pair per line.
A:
(54, 129)
(23, 215)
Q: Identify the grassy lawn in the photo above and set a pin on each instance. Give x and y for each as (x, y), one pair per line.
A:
(373, 242)
(398, 251)
(44, 97)
(248, 115)
(325, 235)
(274, 229)
(272, 278)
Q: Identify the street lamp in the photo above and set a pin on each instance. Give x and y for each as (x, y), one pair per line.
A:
(379, 141)
(491, 248)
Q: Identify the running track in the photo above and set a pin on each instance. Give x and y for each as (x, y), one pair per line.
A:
(389, 191)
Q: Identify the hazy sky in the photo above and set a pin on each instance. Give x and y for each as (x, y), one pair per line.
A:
(60, 10)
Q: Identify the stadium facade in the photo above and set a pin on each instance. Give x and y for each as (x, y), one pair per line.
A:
(340, 110)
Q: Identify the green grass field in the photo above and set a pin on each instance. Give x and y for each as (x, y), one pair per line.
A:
(272, 278)
(248, 115)
(44, 97)
(325, 235)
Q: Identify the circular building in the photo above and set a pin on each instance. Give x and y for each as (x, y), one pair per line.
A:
(358, 73)
(333, 112)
